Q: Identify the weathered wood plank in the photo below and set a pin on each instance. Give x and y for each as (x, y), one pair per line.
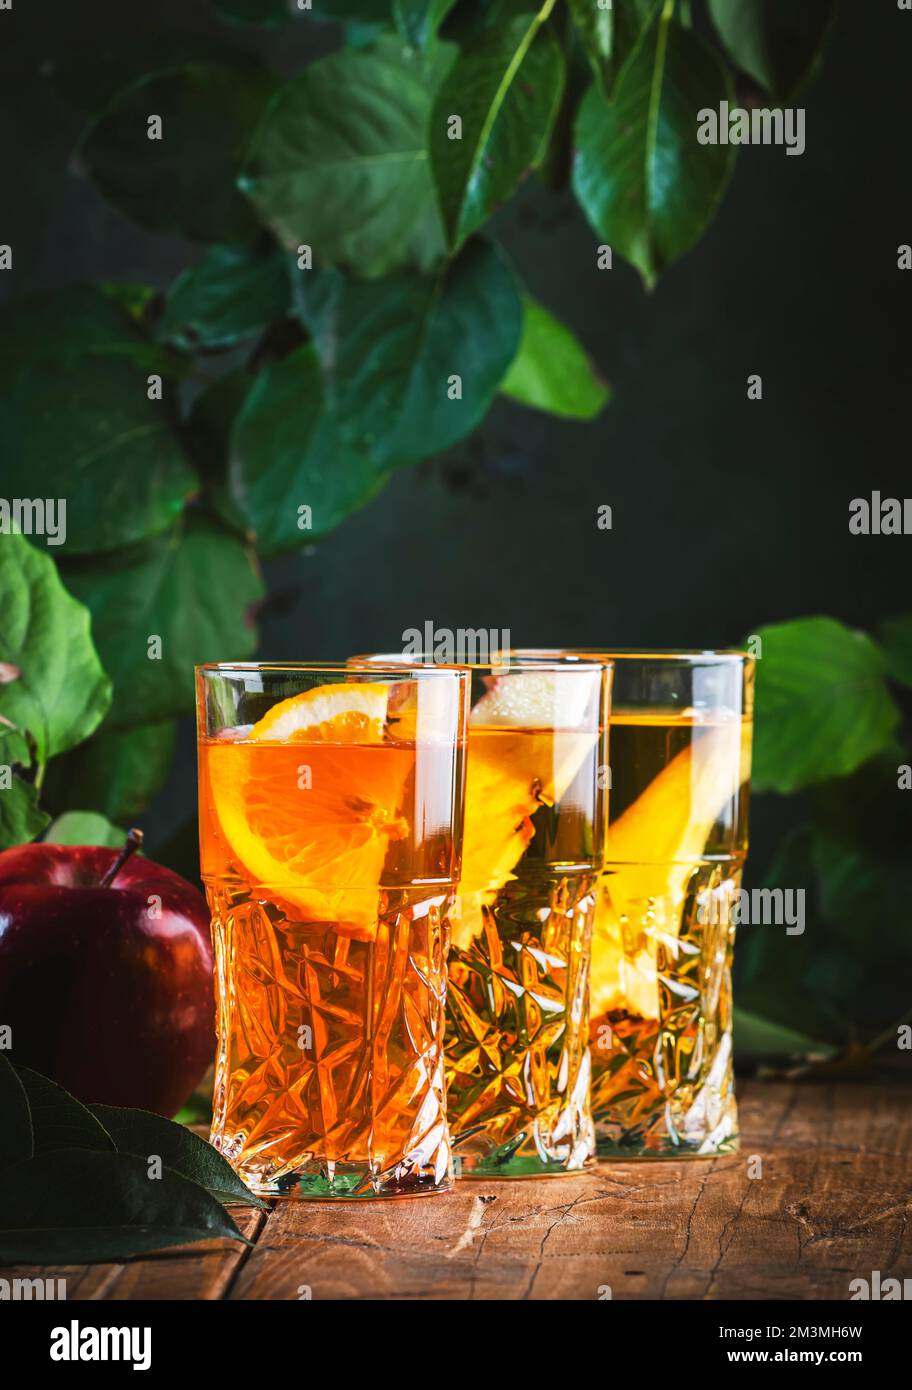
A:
(819, 1194)
(829, 1201)
(186, 1272)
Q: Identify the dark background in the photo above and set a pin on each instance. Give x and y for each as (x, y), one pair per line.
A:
(727, 513)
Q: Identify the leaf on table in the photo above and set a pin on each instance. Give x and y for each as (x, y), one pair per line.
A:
(822, 705)
(776, 42)
(391, 348)
(143, 1134)
(231, 294)
(78, 1206)
(75, 412)
(62, 692)
(757, 1037)
(647, 186)
(552, 370)
(59, 1120)
(351, 179)
(191, 590)
(16, 1135)
(183, 182)
(505, 88)
(117, 772)
(84, 828)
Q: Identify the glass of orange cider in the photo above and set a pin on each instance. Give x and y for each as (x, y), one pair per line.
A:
(331, 806)
(517, 1043)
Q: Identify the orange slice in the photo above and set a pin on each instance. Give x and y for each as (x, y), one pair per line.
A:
(653, 848)
(525, 748)
(310, 800)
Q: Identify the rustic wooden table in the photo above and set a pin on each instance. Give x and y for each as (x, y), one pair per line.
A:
(831, 1203)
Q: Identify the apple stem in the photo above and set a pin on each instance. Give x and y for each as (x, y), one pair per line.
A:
(133, 842)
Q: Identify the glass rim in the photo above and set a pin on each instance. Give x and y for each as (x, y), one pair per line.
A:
(341, 668)
(681, 655)
(373, 662)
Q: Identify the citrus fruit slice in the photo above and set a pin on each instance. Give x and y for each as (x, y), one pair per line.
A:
(653, 848)
(525, 748)
(310, 800)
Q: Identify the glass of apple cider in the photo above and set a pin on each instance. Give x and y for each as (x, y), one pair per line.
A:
(661, 1007)
(331, 807)
(517, 1055)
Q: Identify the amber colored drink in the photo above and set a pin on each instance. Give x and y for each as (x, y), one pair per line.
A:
(330, 860)
(517, 1056)
(661, 1008)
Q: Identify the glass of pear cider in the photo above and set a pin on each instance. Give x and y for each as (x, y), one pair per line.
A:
(517, 1055)
(661, 998)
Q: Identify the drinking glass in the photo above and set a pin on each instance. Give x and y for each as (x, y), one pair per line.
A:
(330, 833)
(661, 1007)
(517, 1056)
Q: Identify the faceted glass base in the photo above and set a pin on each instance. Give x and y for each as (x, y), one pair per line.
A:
(347, 1181)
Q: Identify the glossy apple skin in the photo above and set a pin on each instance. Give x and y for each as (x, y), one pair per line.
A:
(112, 1001)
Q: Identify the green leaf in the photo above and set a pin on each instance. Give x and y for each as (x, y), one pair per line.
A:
(419, 20)
(21, 820)
(776, 42)
(59, 1120)
(506, 89)
(191, 590)
(862, 834)
(84, 828)
(182, 184)
(76, 413)
(806, 977)
(595, 27)
(61, 693)
(648, 188)
(16, 1135)
(208, 435)
(117, 772)
(552, 370)
(141, 1133)
(759, 1037)
(351, 179)
(63, 328)
(232, 293)
(75, 1206)
(288, 451)
(389, 349)
(822, 708)
(895, 638)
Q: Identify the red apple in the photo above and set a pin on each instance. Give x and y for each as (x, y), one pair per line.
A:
(105, 973)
